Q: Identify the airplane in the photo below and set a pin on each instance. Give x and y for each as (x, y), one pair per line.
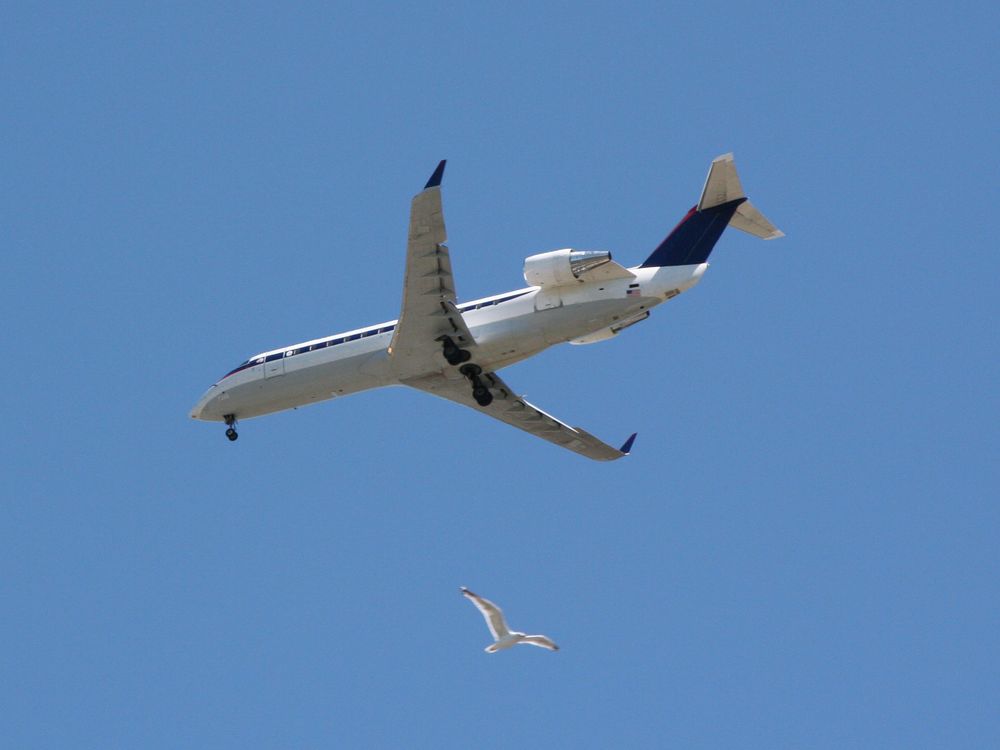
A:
(454, 350)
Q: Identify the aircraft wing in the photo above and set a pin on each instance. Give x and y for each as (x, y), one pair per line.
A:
(515, 411)
(428, 310)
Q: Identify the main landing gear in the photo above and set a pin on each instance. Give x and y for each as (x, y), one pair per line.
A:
(231, 425)
(479, 390)
(452, 352)
(456, 356)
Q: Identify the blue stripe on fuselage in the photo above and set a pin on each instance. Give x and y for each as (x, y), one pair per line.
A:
(372, 331)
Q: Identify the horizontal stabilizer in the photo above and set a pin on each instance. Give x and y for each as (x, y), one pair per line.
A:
(752, 221)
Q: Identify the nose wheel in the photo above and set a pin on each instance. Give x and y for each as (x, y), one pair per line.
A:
(231, 427)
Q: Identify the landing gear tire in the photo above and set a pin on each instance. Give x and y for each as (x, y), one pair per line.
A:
(471, 371)
(479, 391)
(230, 420)
(453, 353)
(457, 356)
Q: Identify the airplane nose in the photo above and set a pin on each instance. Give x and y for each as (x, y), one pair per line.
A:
(198, 412)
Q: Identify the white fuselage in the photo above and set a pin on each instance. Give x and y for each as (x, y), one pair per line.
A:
(507, 328)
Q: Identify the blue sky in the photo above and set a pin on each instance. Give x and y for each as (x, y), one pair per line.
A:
(802, 550)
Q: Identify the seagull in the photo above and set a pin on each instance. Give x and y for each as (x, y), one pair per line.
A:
(504, 636)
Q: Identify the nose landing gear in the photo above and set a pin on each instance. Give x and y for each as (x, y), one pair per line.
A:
(231, 425)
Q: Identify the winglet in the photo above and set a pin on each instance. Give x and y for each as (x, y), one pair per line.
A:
(435, 179)
(628, 444)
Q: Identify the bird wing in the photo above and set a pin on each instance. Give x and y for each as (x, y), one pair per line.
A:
(491, 613)
(541, 641)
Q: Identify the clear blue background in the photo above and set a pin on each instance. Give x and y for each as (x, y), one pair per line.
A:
(802, 550)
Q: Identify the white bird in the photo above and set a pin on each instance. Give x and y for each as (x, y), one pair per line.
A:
(504, 636)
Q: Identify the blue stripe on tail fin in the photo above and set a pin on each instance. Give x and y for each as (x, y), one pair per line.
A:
(692, 240)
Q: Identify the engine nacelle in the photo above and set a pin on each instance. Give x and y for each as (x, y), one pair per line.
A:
(562, 267)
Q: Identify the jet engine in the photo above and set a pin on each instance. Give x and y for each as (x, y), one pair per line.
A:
(562, 267)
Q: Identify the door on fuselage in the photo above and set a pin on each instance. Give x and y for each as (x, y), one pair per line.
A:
(274, 365)
(257, 371)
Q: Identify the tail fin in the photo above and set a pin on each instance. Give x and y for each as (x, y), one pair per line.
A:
(722, 203)
(723, 186)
